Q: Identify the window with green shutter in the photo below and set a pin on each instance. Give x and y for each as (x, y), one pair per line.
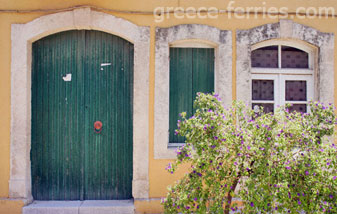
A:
(191, 71)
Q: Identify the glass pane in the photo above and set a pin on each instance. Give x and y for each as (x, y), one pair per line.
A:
(266, 57)
(298, 108)
(294, 58)
(267, 107)
(296, 90)
(263, 89)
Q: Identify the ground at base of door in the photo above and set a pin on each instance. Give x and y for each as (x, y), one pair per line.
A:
(80, 207)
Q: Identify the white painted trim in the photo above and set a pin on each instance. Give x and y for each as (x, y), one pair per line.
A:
(220, 40)
(23, 35)
(293, 32)
(284, 71)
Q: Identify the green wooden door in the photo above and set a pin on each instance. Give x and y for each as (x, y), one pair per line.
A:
(78, 78)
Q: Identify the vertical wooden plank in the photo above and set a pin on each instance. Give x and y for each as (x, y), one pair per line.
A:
(86, 125)
(115, 113)
(110, 120)
(35, 108)
(51, 123)
(89, 121)
(126, 143)
(81, 112)
(120, 108)
(128, 130)
(45, 118)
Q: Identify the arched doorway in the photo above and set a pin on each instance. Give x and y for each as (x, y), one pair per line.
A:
(80, 77)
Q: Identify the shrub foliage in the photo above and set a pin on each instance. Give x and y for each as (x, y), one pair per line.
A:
(281, 162)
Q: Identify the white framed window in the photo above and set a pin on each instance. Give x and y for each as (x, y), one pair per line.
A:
(282, 72)
(186, 36)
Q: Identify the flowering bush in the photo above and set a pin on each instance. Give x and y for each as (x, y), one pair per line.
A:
(279, 162)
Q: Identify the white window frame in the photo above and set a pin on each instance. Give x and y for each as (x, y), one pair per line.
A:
(310, 88)
(273, 77)
(281, 75)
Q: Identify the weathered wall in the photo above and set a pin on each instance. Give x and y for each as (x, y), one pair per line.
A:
(149, 5)
(158, 177)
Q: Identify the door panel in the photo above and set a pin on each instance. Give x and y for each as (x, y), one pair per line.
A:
(69, 160)
(108, 157)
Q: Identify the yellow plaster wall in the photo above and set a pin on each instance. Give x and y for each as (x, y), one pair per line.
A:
(149, 5)
(159, 178)
(148, 206)
(10, 206)
(4, 109)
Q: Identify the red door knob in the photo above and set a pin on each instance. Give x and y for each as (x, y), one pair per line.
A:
(98, 126)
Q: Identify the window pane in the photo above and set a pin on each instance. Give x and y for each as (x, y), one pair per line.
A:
(263, 89)
(266, 57)
(298, 108)
(267, 107)
(294, 58)
(296, 90)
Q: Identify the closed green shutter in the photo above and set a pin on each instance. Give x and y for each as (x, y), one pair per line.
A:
(191, 71)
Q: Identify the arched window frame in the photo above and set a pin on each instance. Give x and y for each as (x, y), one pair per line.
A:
(280, 75)
(286, 30)
(187, 35)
